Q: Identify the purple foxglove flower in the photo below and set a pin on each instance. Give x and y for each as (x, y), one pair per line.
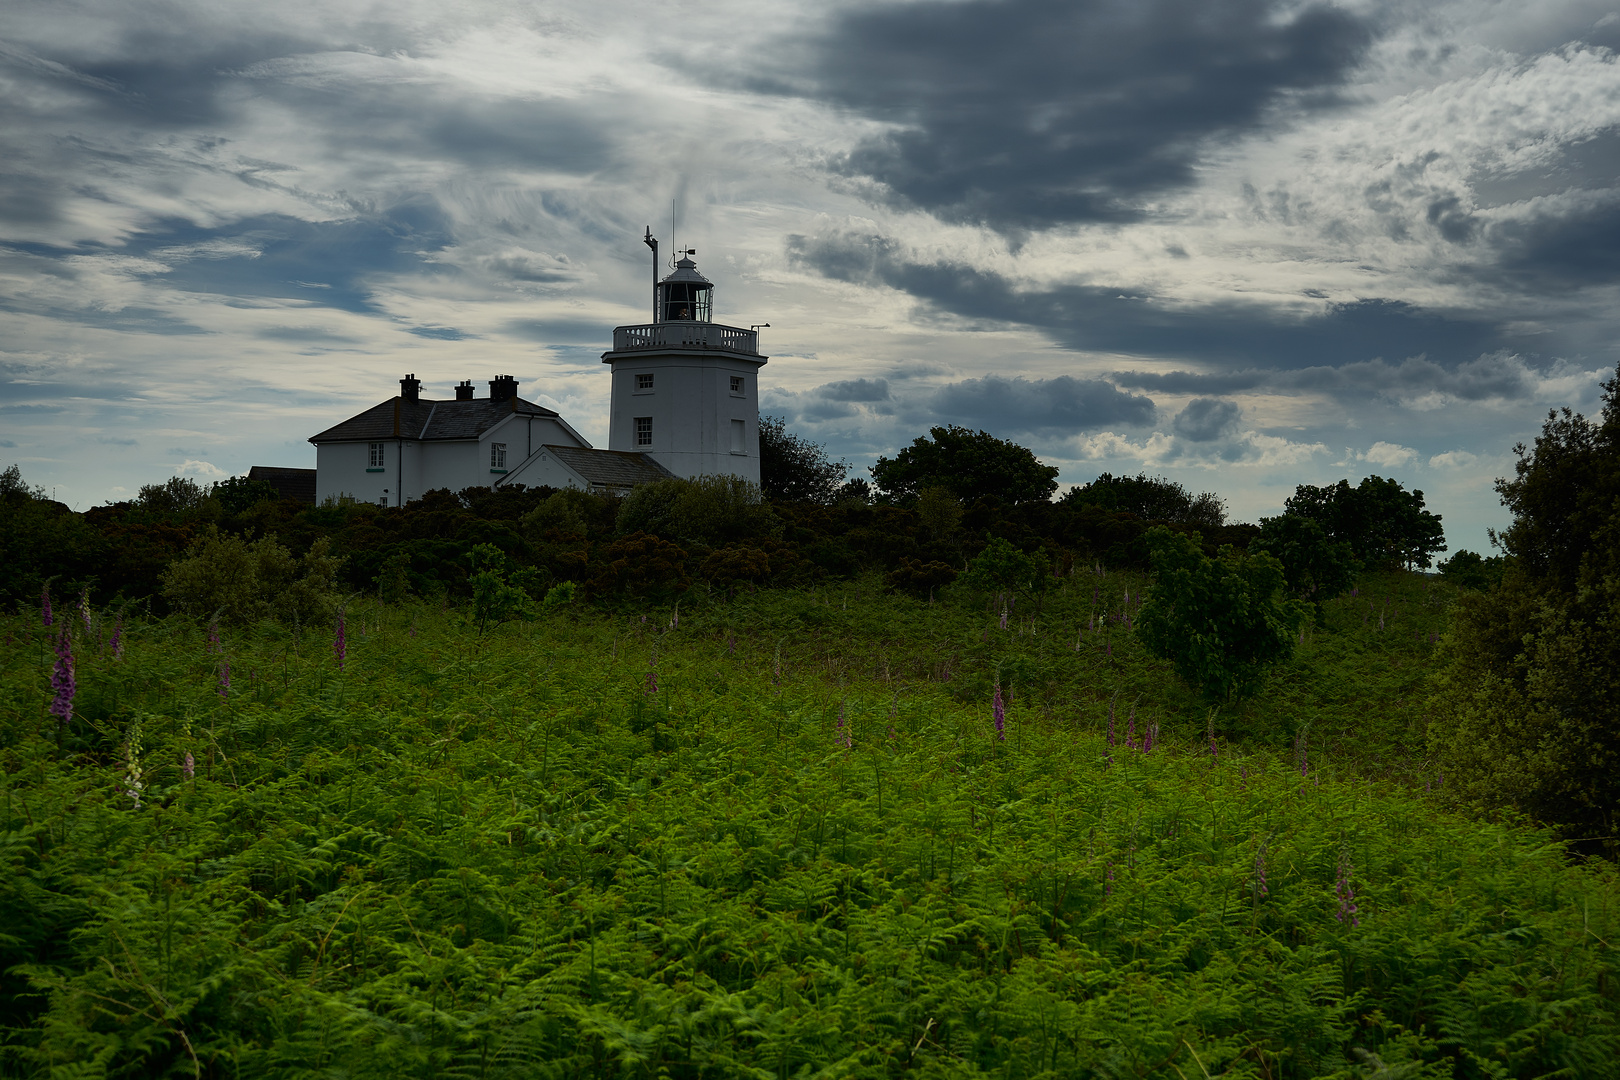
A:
(63, 685)
(998, 711)
(1151, 737)
(1108, 882)
(213, 638)
(1130, 729)
(224, 679)
(45, 605)
(1260, 873)
(1004, 618)
(188, 768)
(117, 642)
(340, 645)
(1214, 754)
(84, 610)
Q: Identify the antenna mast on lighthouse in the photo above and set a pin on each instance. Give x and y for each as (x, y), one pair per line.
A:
(652, 243)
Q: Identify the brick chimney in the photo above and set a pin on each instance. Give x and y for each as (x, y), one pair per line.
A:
(502, 388)
(464, 390)
(410, 388)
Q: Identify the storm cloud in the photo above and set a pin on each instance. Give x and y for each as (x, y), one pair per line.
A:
(1023, 114)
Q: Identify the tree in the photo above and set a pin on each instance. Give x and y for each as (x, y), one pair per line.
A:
(238, 493)
(1471, 570)
(1384, 524)
(1221, 622)
(794, 469)
(1526, 712)
(1317, 569)
(1151, 498)
(971, 464)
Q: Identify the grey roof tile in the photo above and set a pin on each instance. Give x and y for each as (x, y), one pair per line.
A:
(611, 468)
(428, 420)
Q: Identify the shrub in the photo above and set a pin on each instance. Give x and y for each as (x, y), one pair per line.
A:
(711, 511)
(920, 578)
(1221, 622)
(1000, 567)
(245, 582)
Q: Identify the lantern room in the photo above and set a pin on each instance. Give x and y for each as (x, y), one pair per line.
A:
(685, 295)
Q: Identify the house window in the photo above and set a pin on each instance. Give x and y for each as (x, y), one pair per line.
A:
(643, 431)
(736, 384)
(497, 456)
(643, 382)
(739, 433)
(375, 459)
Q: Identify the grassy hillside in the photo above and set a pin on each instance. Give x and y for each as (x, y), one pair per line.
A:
(776, 835)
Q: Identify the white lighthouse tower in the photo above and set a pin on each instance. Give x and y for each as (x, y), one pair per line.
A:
(685, 388)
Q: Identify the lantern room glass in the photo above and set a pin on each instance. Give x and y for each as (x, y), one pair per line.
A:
(685, 301)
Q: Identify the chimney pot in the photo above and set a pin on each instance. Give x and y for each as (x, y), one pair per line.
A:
(464, 390)
(410, 388)
(502, 388)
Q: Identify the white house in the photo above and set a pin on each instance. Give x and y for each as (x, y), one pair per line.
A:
(685, 402)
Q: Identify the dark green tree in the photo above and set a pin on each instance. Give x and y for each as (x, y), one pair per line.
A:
(238, 493)
(1471, 570)
(1384, 524)
(1526, 713)
(1221, 622)
(1151, 498)
(1317, 569)
(971, 464)
(794, 469)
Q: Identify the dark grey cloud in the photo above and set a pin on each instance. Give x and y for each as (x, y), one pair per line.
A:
(1061, 405)
(1206, 419)
(1189, 382)
(1498, 376)
(864, 390)
(1563, 247)
(1138, 323)
(439, 333)
(1021, 114)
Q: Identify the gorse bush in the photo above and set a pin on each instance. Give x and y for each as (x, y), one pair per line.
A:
(734, 846)
(709, 510)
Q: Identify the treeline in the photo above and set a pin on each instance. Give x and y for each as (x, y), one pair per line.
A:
(928, 513)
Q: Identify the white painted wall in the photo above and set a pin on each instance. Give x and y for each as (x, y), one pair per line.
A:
(414, 468)
(692, 409)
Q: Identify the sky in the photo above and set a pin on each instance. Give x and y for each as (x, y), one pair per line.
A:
(1241, 244)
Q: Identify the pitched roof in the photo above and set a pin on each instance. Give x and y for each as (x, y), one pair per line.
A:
(611, 468)
(296, 484)
(425, 419)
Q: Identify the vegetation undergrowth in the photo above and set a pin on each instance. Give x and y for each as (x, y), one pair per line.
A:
(772, 835)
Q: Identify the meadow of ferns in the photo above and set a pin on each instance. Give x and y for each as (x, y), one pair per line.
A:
(774, 835)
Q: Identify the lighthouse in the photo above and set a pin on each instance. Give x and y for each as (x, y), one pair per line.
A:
(686, 388)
